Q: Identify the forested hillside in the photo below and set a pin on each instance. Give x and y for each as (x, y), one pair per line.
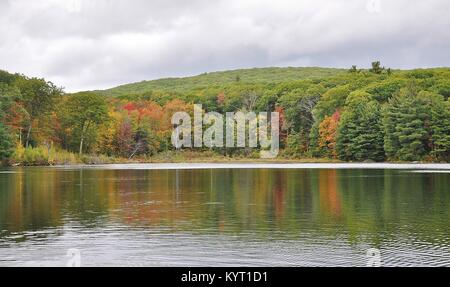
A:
(256, 75)
(376, 114)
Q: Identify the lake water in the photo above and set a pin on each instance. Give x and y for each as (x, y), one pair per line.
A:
(226, 215)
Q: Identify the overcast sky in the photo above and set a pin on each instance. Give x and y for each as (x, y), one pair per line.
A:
(96, 44)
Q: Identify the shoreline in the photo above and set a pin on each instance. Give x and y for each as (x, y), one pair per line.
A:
(198, 159)
(442, 167)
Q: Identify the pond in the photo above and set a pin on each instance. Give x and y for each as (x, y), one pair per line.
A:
(226, 215)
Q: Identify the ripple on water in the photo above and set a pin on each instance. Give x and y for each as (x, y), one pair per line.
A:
(317, 217)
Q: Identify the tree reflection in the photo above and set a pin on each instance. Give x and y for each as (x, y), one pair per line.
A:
(374, 204)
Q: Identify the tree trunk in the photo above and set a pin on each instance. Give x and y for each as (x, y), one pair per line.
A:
(138, 146)
(83, 130)
(81, 145)
(28, 135)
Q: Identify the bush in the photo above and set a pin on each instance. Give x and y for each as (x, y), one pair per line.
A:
(62, 157)
(35, 156)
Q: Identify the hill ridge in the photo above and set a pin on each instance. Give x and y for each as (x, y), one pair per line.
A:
(217, 78)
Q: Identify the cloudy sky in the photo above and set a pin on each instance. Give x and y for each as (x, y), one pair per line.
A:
(95, 44)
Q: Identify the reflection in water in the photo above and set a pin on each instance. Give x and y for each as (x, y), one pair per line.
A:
(329, 197)
(247, 216)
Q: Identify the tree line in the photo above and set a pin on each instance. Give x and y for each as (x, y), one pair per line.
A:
(375, 114)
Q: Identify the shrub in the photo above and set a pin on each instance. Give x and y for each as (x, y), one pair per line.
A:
(35, 156)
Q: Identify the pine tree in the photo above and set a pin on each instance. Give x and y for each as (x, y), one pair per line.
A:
(406, 123)
(360, 133)
(6, 143)
(440, 127)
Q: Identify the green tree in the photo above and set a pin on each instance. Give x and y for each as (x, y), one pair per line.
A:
(8, 95)
(82, 113)
(7, 78)
(376, 68)
(328, 104)
(382, 91)
(6, 143)
(298, 105)
(12, 113)
(353, 69)
(405, 120)
(38, 97)
(360, 133)
(440, 125)
(442, 87)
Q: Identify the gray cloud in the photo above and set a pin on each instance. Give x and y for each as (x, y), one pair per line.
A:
(91, 44)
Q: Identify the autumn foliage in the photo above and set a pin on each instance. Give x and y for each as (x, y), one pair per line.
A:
(327, 134)
(361, 115)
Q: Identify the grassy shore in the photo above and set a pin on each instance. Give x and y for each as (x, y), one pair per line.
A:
(42, 156)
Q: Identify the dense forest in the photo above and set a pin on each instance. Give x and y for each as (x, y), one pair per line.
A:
(375, 114)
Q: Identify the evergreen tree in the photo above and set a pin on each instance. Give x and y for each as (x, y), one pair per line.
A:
(440, 126)
(6, 143)
(406, 121)
(360, 133)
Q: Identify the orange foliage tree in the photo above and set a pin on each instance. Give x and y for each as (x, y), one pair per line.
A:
(327, 134)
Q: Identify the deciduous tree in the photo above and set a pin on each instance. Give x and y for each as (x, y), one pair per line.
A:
(82, 113)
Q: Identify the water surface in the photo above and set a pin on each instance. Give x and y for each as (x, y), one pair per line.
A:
(225, 215)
